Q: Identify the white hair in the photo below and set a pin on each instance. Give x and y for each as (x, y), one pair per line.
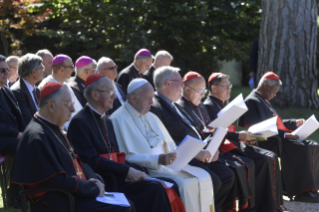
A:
(12, 59)
(162, 54)
(100, 63)
(80, 70)
(162, 74)
(271, 82)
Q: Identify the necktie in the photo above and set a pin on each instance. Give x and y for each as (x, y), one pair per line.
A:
(35, 95)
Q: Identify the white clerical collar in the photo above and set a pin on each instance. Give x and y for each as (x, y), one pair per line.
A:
(102, 115)
(29, 86)
(38, 115)
(132, 109)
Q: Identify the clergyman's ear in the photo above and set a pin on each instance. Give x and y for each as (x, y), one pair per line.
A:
(266, 85)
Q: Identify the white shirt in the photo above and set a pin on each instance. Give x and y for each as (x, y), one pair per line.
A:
(31, 88)
(118, 94)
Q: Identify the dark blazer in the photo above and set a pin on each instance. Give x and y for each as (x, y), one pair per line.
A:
(177, 127)
(25, 101)
(77, 84)
(127, 75)
(117, 103)
(11, 121)
(258, 111)
(149, 76)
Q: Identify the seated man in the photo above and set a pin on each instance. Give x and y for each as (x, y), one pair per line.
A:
(108, 68)
(84, 67)
(142, 62)
(45, 158)
(302, 184)
(30, 69)
(144, 139)
(267, 172)
(11, 124)
(190, 105)
(13, 75)
(62, 68)
(168, 84)
(92, 135)
(162, 58)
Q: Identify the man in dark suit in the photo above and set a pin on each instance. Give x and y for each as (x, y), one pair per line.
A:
(11, 124)
(12, 63)
(84, 67)
(162, 58)
(108, 68)
(168, 84)
(142, 62)
(30, 69)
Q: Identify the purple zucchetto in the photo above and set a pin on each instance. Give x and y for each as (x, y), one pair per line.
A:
(59, 59)
(144, 53)
(83, 61)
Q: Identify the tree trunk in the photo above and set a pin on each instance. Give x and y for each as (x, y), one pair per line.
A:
(288, 47)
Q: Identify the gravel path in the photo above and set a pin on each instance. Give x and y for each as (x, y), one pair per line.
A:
(293, 206)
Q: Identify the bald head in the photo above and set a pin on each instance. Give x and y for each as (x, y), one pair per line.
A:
(141, 99)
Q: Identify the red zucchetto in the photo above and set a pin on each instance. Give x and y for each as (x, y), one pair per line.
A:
(213, 76)
(92, 78)
(191, 75)
(271, 75)
(49, 88)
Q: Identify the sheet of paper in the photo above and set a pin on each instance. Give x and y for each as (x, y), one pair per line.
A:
(265, 128)
(186, 151)
(114, 198)
(307, 128)
(216, 141)
(167, 184)
(230, 113)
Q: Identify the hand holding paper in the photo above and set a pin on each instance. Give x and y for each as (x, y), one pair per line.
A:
(216, 141)
(307, 128)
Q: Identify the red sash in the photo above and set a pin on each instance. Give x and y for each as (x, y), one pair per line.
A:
(176, 202)
(78, 169)
(227, 145)
(281, 126)
(116, 156)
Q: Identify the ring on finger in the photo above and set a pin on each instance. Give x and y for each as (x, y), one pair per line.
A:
(171, 161)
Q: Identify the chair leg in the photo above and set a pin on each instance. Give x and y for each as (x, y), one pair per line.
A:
(23, 200)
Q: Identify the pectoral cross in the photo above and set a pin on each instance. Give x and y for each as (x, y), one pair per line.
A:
(79, 173)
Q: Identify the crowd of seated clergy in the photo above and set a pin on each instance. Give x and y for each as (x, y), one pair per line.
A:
(72, 133)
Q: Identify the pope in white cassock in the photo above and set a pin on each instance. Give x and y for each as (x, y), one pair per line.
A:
(145, 140)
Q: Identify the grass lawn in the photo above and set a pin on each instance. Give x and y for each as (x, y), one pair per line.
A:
(284, 113)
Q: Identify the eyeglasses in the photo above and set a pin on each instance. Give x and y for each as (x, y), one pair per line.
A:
(11, 67)
(110, 68)
(180, 82)
(67, 104)
(199, 92)
(4, 70)
(72, 66)
(110, 92)
(226, 86)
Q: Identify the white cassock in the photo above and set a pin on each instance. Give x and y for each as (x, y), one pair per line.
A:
(77, 104)
(143, 138)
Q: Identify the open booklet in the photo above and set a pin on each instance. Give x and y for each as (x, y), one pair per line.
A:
(114, 198)
(265, 128)
(186, 151)
(307, 128)
(216, 140)
(230, 113)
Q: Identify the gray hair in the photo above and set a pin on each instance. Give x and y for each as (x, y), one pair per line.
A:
(12, 59)
(162, 74)
(2, 58)
(92, 86)
(100, 63)
(80, 70)
(43, 52)
(53, 96)
(162, 54)
(271, 82)
(27, 63)
(141, 58)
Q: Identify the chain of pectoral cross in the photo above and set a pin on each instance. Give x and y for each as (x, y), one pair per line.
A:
(70, 150)
(105, 138)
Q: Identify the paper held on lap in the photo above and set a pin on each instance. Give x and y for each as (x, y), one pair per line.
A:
(230, 113)
(265, 128)
(307, 128)
(216, 140)
(114, 198)
(167, 184)
(186, 151)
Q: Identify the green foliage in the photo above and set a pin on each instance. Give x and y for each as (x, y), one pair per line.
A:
(196, 33)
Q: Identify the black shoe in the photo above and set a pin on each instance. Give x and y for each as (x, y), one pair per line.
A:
(307, 196)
